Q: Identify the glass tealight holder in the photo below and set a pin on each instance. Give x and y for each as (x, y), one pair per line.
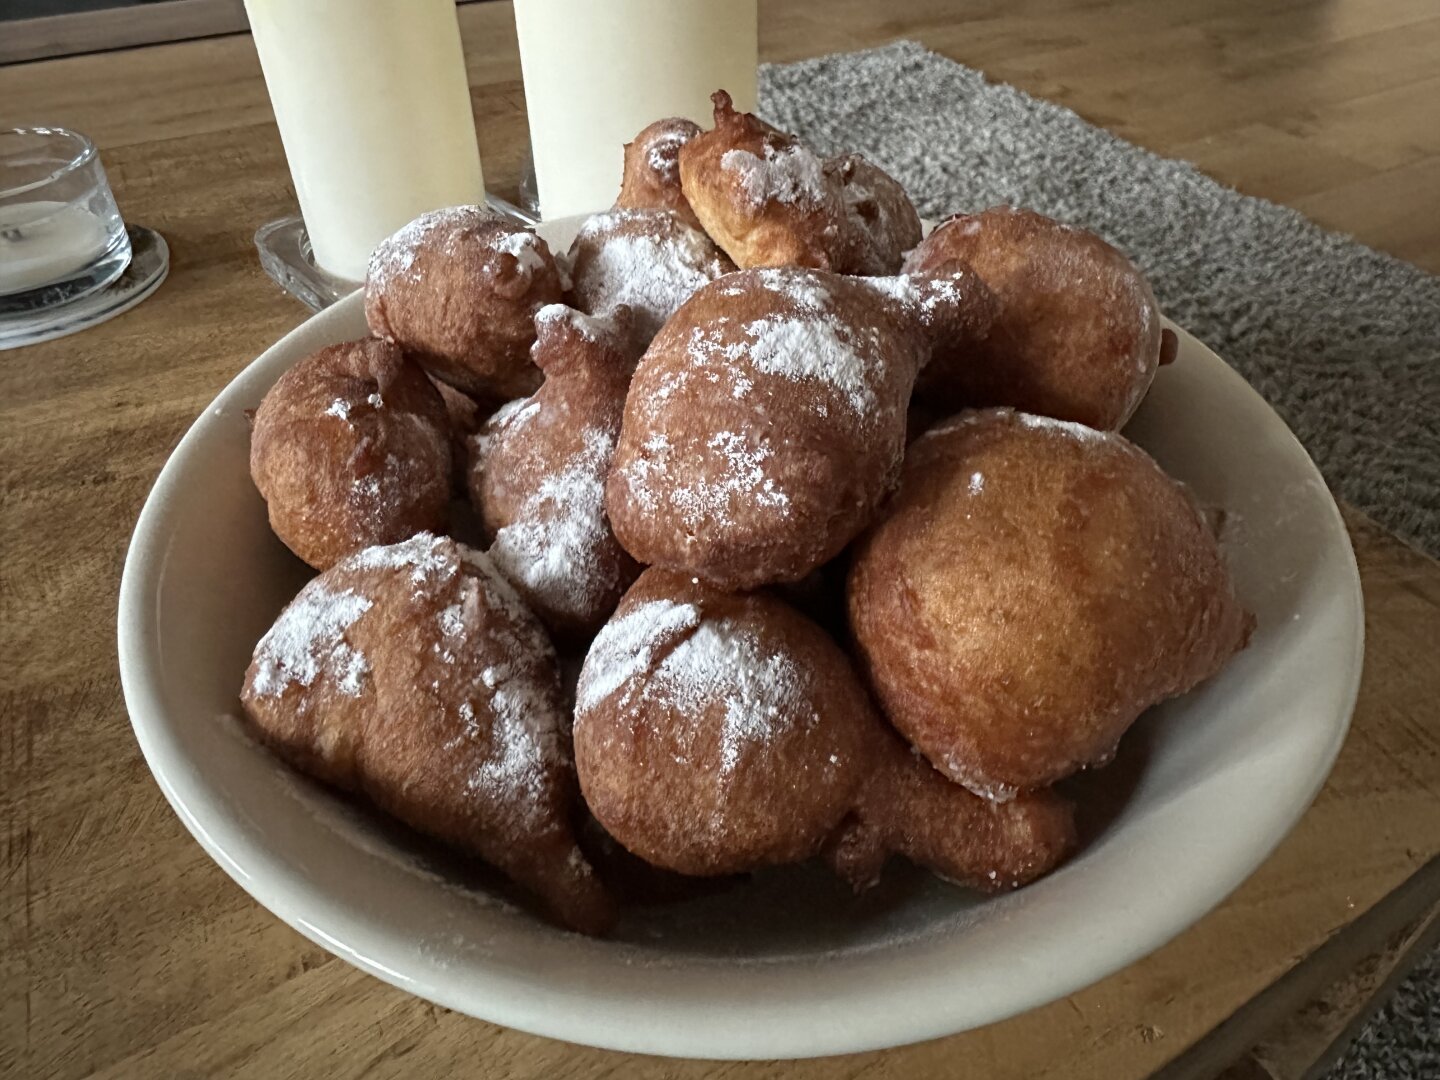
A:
(61, 235)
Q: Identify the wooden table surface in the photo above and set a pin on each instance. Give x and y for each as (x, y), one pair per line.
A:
(126, 952)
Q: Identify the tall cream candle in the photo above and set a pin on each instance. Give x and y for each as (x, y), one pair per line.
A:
(374, 111)
(597, 71)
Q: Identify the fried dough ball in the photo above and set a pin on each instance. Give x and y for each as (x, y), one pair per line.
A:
(883, 224)
(1078, 336)
(414, 676)
(351, 448)
(1035, 586)
(651, 180)
(538, 468)
(763, 196)
(718, 733)
(764, 426)
(906, 807)
(648, 260)
(458, 289)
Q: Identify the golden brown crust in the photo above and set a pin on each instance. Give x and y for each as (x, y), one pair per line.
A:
(717, 733)
(1035, 586)
(651, 180)
(763, 196)
(764, 426)
(538, 467)
(906, 807)
(648, 260)
(466, 414)
(413, 675)
(1078, 335)
(350, 448)
(458, 289)
(883, 224)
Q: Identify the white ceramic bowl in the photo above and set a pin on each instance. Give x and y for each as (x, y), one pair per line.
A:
(788, 965)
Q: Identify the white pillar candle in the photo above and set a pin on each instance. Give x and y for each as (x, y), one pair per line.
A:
(43, 242)
(374, 111)
(597, 71)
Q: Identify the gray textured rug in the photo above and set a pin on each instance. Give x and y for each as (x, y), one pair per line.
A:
(1343, 341)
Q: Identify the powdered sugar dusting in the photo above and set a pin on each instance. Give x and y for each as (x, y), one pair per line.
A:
(525, 743)
(791, 174)
(743, 480)
(921, 297)
(1063, 427)
(649, 260)
(525, 247)
(812, 349)
(308, 640)
(625, 648)
(724, 660)
(424, 555)
(394, 257)
(663, 156)
(592, 328)
(554, 545)
(977, 483)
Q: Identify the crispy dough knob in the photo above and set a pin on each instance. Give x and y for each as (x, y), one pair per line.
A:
(1034, 587)
(1077, 334)
(350, 448)
(412, 675)
(458, 289)
(906, 807)
(538, 467)
(651, 180)
(763, 196)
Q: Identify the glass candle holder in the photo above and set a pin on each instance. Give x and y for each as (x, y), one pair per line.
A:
(61, 235)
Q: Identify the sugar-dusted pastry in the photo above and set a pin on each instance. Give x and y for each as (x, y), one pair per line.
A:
(413, 675)
(767, 421)
(351, 448)
(1078, 333)
(648, 260)
(1034, 586)
(883, 224)
(764, 196)
(538, 469)
(716, 733)
(458, 289)
(651, 180)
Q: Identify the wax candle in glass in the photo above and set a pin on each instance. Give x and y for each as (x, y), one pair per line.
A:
(61, 235)
(596, 73)
(374, 112)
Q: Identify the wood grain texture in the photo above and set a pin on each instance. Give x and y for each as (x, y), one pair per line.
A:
(125, 952)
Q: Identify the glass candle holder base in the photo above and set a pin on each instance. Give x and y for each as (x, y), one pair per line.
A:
(142, 275)
(285, 255)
